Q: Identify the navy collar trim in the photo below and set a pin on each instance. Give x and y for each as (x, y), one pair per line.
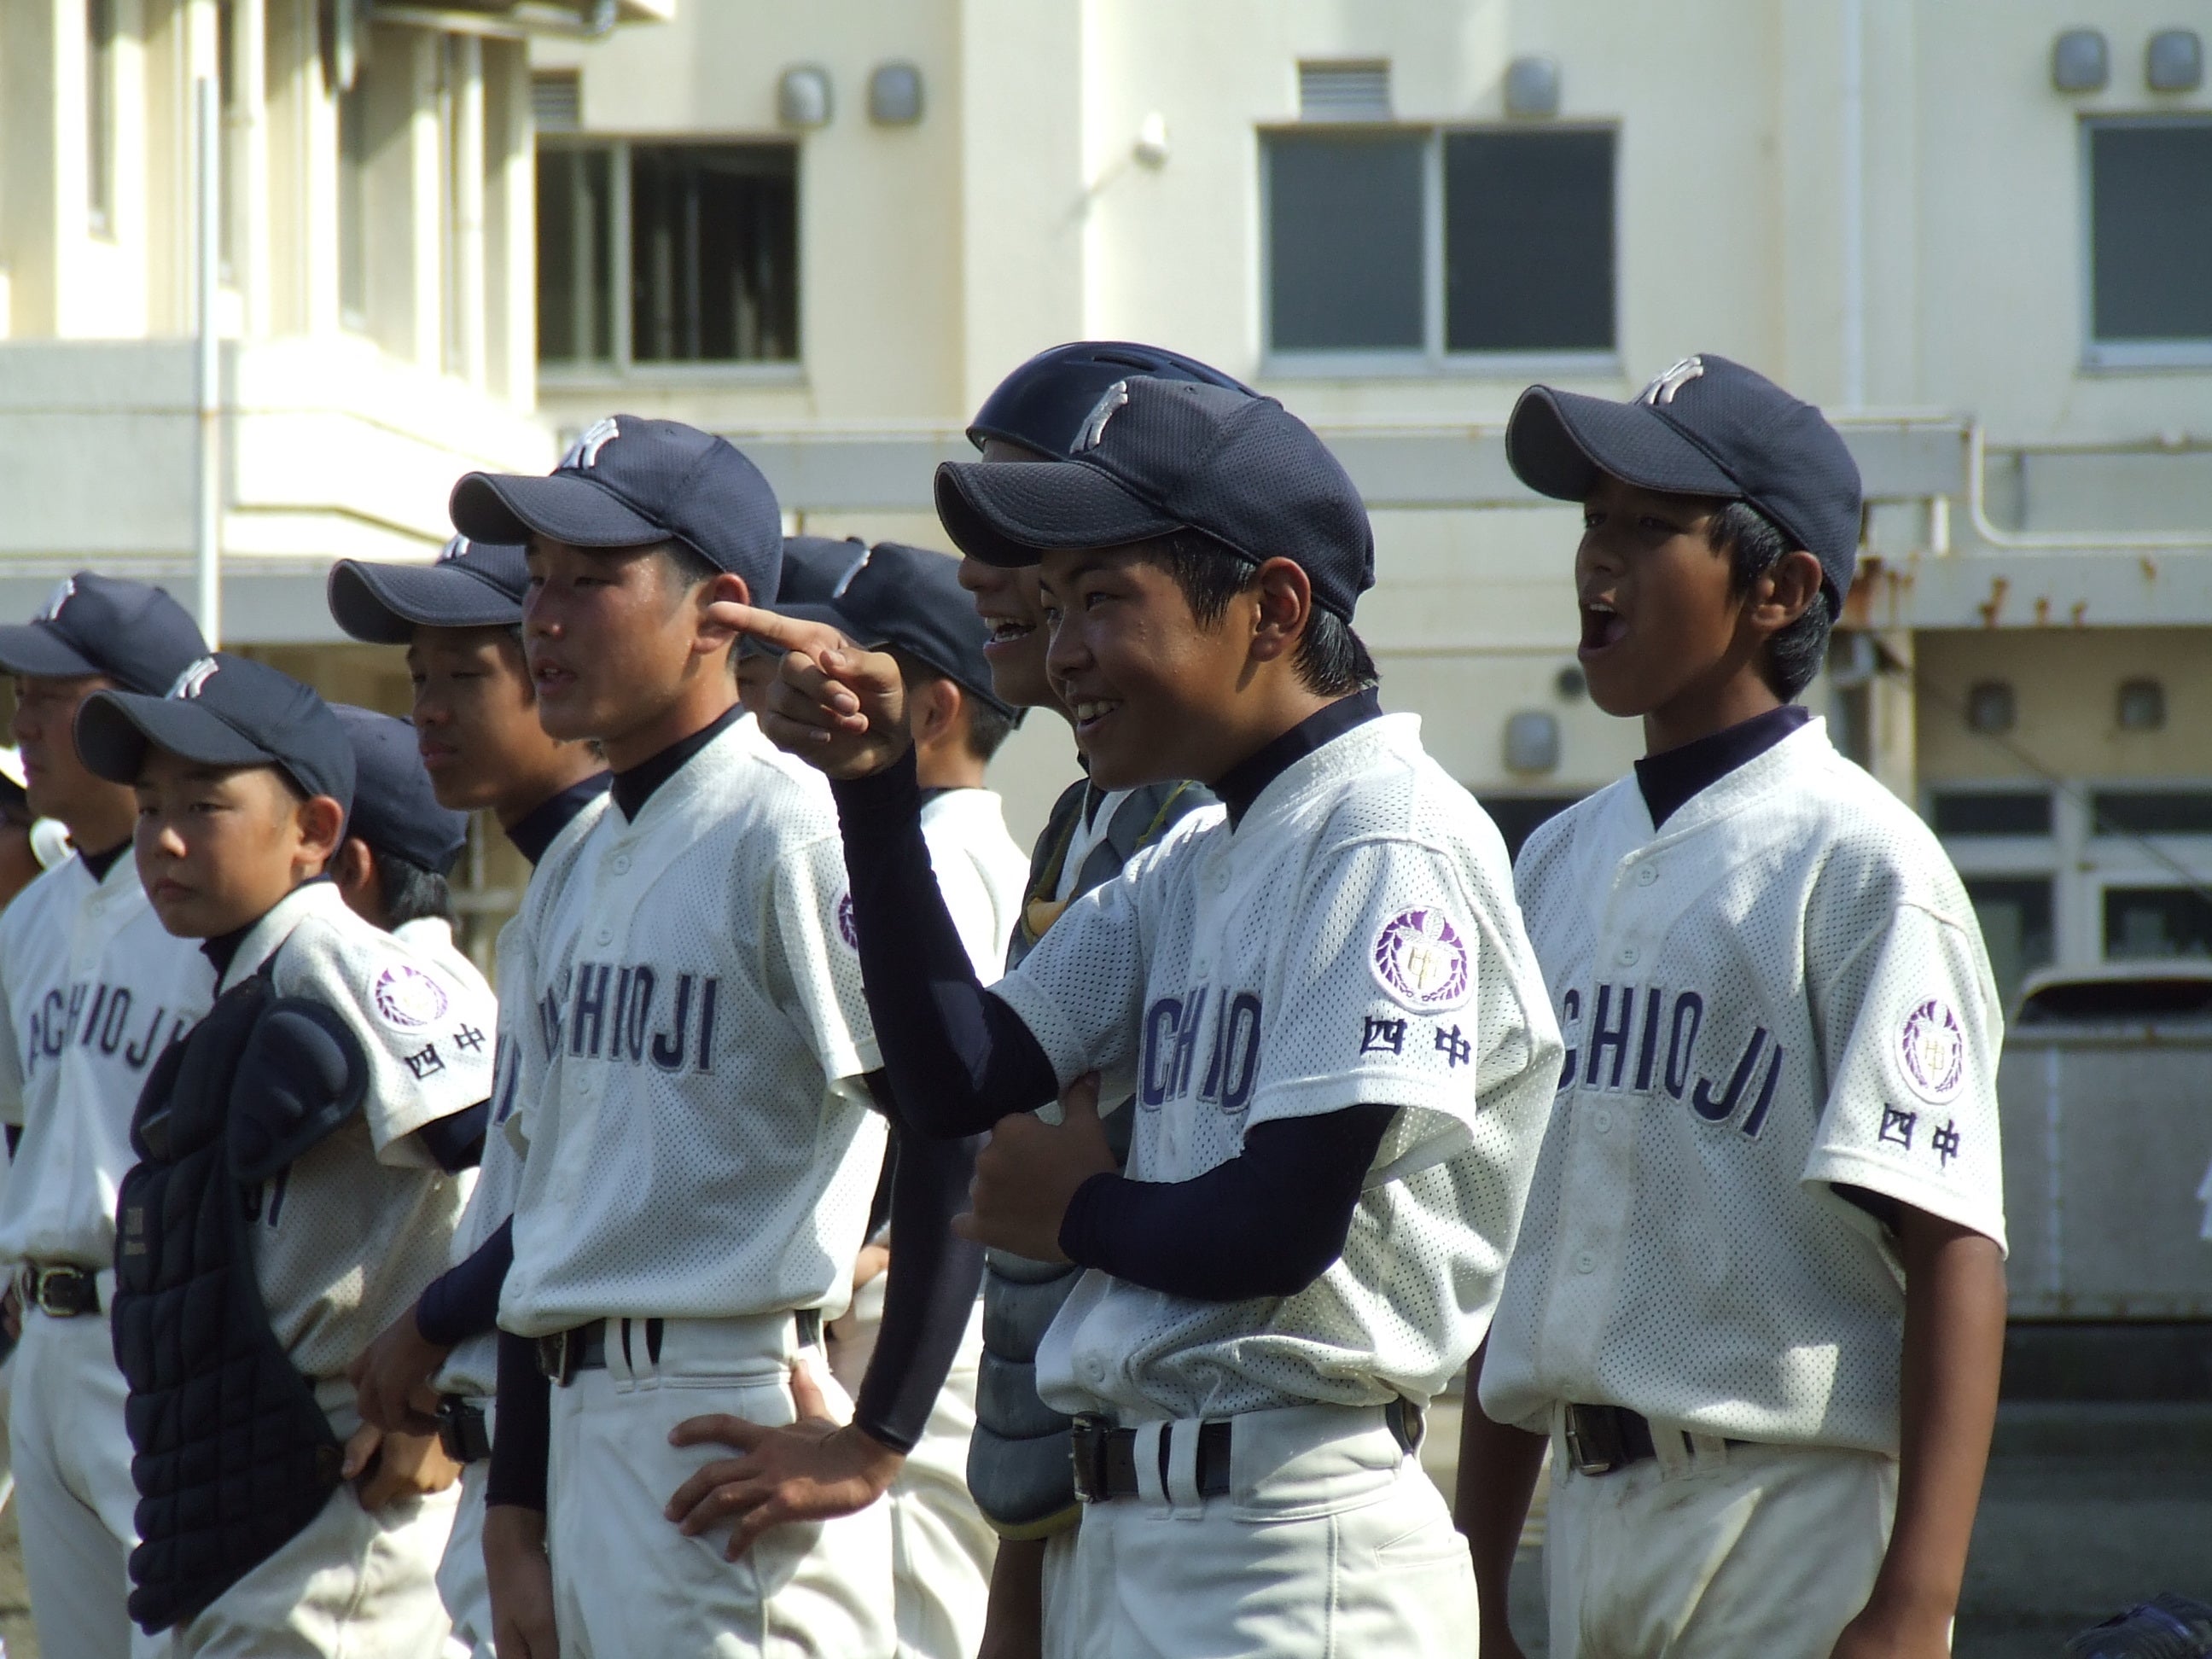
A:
(534, 830)
(1670, 779)
(633, 788)
(99, 864)
(1241, 785)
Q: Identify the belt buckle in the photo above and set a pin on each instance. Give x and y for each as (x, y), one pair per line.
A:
(461, 1430)
(1086, 1446)
(58, 1292)
(558, 1355)
(1588, 1458)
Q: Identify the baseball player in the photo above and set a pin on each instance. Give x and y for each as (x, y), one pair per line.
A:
(295, 1189)
(400, 843)
(91, 990)
(1339, 1049)
(1758, 1302)
(908, 602)
(695, 1113)
(476, 724)
(1020, 1468)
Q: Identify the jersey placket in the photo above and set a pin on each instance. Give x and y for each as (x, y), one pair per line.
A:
(616, 890)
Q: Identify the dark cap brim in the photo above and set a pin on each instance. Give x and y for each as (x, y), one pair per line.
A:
(1009, 514)
(495, 507)
(1559, 442)
(33, 649)
(816, 610)
(385, 603)
(114, 729)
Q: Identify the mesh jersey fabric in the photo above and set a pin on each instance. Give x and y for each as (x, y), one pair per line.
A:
(92, 989)
(346, 1237)
(697, 1141)
(1353, 938)
(978, 869)
(1783, 988)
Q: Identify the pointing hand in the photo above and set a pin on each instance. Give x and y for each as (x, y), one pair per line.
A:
(836, 706)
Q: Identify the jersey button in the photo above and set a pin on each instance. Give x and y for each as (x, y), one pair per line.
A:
(1628, 954)
(605, 935)
(1585, 1261)
(1646, 875)
(1602, 1122)
(622, 864)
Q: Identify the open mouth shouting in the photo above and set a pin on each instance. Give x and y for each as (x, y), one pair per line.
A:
(1603, 628)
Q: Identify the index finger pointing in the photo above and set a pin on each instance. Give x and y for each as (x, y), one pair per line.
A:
(786, 633)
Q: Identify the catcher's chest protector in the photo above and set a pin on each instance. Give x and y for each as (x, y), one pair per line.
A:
(234, 1457)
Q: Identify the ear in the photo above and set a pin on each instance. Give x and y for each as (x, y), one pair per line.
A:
(322, 826)
(934, 711)
(1283, 606)
(1785, 592)
(353, 868)
(712, 638)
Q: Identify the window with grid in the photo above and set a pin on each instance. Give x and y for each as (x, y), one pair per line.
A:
(2149, 181)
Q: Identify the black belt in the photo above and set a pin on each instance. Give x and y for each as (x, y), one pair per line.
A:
(60, 1291)
(461, 1430)
(1603, 1438)
(1106, 1456)
(583, 1347)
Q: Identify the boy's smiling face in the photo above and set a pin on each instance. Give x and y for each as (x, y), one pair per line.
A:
(217, 847)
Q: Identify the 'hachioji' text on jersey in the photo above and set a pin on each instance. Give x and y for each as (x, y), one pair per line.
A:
(697, 1141)
(348, 1236)
(92, 989)
(1353, 939)
(1781, 990)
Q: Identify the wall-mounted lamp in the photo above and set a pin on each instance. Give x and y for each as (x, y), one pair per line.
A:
(894, 95)
(802, 96)
(1150, 149)
(2174, 61)
(1532, 86)
(2080, 61)
(1532, 741)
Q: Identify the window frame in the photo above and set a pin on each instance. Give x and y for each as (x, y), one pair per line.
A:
(1431, 359)
(2124, 356)
(620, 367)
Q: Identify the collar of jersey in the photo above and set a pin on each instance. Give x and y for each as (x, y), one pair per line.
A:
(1346, 754)
(1727, 795)
(313, 898)
(739, 743)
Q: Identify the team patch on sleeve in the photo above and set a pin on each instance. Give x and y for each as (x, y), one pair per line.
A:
(408, 998)
(1933, 1049)
(1421, 962)
(847, 929)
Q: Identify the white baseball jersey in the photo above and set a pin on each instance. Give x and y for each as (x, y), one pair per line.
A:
(1353, 940)
(697, 1142)
(1781, 990)
(348, 1236)
(92, 989)
(978, 869)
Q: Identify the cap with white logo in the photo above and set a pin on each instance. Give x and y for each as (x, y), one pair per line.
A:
(629, 481)
(1705, 426)
(131, 632)
(471, 584)
(222, 711)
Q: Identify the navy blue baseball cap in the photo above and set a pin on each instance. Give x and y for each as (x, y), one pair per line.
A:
(394, 809)
(1706, 427)
(222, 711)
(471, 584)
(1157, 456)
(628, 482)
(911, 599)
(1043, 405)
(815, 568)
(134, 634)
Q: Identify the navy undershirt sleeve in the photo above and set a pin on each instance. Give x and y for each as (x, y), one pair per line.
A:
(959, 1059)
(933, 1281)
(1268, 1222)
(457, 1141)
(520, 1449)
(464, 1301)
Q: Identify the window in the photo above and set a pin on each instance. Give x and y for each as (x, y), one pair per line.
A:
(2151, 812)
(2143, 922)
(2150, 239)
(1517, 816)
(2015, 913)
(704, 239)
(99, 114)
(1397, 247)
(1991, 812)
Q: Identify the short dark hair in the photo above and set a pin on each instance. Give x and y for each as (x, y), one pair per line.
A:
(1330, 659)
(412, 891)
(689, 566)
(988, 729)
(1756, 544)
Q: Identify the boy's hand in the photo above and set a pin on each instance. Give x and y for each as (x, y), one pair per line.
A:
(392, 1377)
(386, 1467)
(1028, 1172)
(520, 1577)
(813, 1469)
(841, 709)
(1878, 1633)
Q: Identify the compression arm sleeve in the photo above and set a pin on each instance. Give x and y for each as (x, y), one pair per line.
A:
(959, 1058)
(1268, 1222)
(930, 1295)
(464, 1301)
(456, 1141)
(522, 1445)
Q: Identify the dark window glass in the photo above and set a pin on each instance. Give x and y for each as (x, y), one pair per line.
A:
(1344, 241)
(1517, 816)
(715, 253)
(575, 250)
(2143, 922)
(2182, 997)
(2015, 913)
(2026, 812)
(2151, 812)
(2150, 238)
(1528, 241)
